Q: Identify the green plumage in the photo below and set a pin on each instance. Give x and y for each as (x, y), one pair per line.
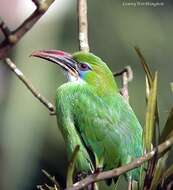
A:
(94, 115)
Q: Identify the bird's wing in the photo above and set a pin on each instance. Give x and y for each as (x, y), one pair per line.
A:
(109, 128)
(70, 134)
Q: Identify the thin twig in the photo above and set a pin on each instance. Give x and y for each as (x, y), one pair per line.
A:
(71, 167)
(124, 90)
(4, 28)
(30, 87)
(123, 169)
(83, 25)
(127, 76)
(40, 187)
(52, 179)
(46, 187)
(171, 86)
(126, 69)
(12, 37)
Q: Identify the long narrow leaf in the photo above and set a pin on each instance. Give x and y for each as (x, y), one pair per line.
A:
(167, 132)
(145, 66)
(165, 181)
(168, 129)
(168, 172)
(149, 81)
(150, 115)
(161, 164)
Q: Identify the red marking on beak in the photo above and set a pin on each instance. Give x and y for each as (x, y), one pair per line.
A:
(51, 53)
(58, 57)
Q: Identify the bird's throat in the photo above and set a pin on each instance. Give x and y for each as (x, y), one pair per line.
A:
(72, 78)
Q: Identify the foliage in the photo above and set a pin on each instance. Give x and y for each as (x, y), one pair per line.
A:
(156, 172)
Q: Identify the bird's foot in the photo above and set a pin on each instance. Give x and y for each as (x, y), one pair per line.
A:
(81, 175)
(98, 170)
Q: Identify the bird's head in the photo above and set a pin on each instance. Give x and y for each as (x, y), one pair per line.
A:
(83, 68)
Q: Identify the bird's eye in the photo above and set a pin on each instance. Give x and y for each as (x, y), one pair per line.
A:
(83, 67)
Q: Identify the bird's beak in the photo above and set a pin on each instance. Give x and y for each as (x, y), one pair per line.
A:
(58, 57)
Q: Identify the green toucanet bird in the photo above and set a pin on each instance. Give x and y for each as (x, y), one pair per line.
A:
(92, 113)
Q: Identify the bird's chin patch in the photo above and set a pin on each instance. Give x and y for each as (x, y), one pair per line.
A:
(72, 78)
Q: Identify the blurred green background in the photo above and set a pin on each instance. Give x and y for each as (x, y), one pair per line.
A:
(29, 136)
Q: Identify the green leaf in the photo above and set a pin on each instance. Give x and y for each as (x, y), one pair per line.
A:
(150, 115)
(145, 66)
(167, 132)
(165, 175)
(168, 129)
(161, 164)
(168, 172)
(149, 81)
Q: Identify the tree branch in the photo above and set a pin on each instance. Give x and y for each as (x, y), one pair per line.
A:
(12, 37)
(30, 87)
(82, 25)
(123, 169)
(4, 28)
(127, 76)
(52, 179)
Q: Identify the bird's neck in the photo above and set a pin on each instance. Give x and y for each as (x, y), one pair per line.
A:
(106, 89)
(99, 87)
(104, 86)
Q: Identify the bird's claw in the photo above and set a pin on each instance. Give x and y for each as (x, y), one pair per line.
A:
(98, 170)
